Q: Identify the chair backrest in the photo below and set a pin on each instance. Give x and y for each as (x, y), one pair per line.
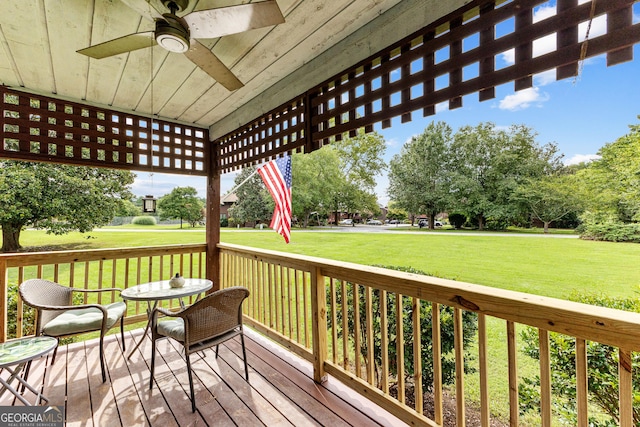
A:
(215, 314)
(39, 292)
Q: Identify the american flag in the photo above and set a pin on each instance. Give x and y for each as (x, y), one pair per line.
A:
(276, 175)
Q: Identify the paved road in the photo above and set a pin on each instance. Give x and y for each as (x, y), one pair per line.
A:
(389, 229)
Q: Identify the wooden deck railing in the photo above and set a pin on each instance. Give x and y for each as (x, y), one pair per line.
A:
(343, 318)
(332, 313)
(95, 269)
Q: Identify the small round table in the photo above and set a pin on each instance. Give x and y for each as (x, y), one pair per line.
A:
(153, 292)
(19, 352)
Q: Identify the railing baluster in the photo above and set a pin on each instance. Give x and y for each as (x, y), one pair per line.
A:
(334, 318)
(356, 329)
(438, 412)
(545, 378)
(86, 279)
(384, 343)
(459, 356)
(307, 328)
(297, 302)
(400, 348)
(625, 379)
(368, 314)
(345, 326)
(20, 307)
(289, 303)
(417, 355)
(582, 377)
(271, 296)
(484, 370)
(512, 352)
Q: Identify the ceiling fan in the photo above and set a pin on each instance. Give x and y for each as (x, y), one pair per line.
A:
(179, 33)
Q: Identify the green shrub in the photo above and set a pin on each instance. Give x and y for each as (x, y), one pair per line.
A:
(496, 224)
(224, 222)
(603, 371)
(457, 220)
(144, 220)
(28, 317)
(610, 231)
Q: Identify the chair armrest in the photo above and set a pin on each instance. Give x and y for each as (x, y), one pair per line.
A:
(72, 307)
(168, 312)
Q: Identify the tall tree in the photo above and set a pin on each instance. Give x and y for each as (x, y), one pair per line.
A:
(361, 161)
(488, 164)
(314, 175)
(254, 202)
(613, 181)
(419, 178)
(551, 197)
(57, 198)
(183, 204)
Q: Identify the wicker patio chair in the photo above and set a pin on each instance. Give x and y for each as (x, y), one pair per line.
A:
(58, 317)
(208, 322)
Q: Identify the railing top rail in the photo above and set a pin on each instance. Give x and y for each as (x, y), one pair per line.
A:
(608, 326)
(58, 257)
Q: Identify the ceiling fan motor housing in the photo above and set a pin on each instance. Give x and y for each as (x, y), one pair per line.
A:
(171, 34)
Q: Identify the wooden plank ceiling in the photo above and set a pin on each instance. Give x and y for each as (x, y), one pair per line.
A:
(39, 39)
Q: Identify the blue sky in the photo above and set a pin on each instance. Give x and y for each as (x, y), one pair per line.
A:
(579, 115)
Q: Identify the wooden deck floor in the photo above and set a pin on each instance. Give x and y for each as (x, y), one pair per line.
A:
(281, 391)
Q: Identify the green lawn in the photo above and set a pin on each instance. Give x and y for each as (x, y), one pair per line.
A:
(540, 265)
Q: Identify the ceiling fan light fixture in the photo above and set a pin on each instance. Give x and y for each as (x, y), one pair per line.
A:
(173, 38)
(173, 43)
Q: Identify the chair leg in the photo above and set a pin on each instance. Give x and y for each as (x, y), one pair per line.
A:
(244, 356)
(217, 350)
(124, 347)
(55, 351)
(104, 375)
(153, 362)
(193, 397)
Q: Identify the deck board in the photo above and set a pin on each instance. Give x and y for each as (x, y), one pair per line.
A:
(279, 393)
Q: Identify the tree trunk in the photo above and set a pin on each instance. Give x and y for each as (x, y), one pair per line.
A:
(546, 226)
(10, 238)
(480, 222)
(432, 221)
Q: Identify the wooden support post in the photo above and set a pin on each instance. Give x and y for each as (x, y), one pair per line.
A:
(319, 328)
(213, 219)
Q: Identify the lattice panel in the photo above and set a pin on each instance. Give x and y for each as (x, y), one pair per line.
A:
(282, 129)
(408, 76)
(455, 56)
(38, 128)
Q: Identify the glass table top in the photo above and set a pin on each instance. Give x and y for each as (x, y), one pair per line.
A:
(23, 349)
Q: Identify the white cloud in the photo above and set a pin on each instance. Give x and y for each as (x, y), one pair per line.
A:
(509, 56)
(391, 142)
(544, 12)
(544, 78)
(523, 99)
(598, 28)
(581, 158)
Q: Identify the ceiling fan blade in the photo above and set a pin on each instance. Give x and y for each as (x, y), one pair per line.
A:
(200, 55)
(212, 23)
(148, 9)
(120, 45)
